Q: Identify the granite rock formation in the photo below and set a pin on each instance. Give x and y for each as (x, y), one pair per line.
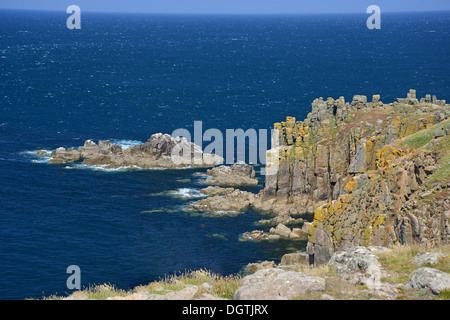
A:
(372, 173)
(160, 151)
(238, 174)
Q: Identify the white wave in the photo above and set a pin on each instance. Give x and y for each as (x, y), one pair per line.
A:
(188, 193)
(102, 167)
(34, 157)
(124, 143)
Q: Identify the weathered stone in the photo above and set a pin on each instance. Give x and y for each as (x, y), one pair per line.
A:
(277, 284)
(427, 258)
(439, 132)
(430, 278)
(239, 174)
(160, 151)
(236, 201)
(253, 267)
(214, 190)
(295, 258)
(281, 230)
(359, 265)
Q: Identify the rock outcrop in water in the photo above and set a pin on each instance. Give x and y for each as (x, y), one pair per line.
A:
(160, 151)
(233, 202)
(239, 174)
(372, 173)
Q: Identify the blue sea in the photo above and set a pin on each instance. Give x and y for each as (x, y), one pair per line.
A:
(125, 77)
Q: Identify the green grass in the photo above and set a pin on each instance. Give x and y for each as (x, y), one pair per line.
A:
(442, 174)
(421, 138)
(222, 286)
(398, 261)
(444, 295)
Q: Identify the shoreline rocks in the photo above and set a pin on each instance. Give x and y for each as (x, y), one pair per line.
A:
(238, 174)
(160, 151)
(232, 202)
(279, 232)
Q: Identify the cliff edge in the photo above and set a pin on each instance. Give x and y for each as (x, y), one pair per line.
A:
(372, 173)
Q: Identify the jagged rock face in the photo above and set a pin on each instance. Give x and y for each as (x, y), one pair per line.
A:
(343, 163)
(160, 151)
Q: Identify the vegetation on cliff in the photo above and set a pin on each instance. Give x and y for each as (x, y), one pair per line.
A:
(372, 173)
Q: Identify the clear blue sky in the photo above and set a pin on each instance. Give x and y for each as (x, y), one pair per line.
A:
(230, 6)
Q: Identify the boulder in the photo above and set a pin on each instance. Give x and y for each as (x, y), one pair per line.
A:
(277, 284)
(430, 278)
(439, 132)
(427, 258)
(301, 258)
(358, 265)
(256, 235)
(281, 230)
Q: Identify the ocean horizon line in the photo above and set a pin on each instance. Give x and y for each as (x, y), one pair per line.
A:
(258, 14)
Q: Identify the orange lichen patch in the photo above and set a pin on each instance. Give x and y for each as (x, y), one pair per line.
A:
(320, 214)
(380, 220)
(386, 156)
(350, 186)
(345, 198)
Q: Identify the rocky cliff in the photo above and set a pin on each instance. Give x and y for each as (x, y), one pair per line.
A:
(372, 173)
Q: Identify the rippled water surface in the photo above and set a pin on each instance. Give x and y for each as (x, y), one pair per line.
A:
(125, 77)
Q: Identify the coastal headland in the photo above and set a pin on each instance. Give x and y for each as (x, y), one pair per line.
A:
(375, 177)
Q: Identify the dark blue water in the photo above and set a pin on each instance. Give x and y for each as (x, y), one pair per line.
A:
(125, 77)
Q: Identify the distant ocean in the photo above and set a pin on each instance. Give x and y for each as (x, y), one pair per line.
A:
(125, 77)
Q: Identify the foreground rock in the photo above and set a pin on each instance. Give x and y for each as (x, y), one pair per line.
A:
(435, 280)
(160, 151)
(188, 293)
(359, 265)
(239, 174)
(277, 284)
